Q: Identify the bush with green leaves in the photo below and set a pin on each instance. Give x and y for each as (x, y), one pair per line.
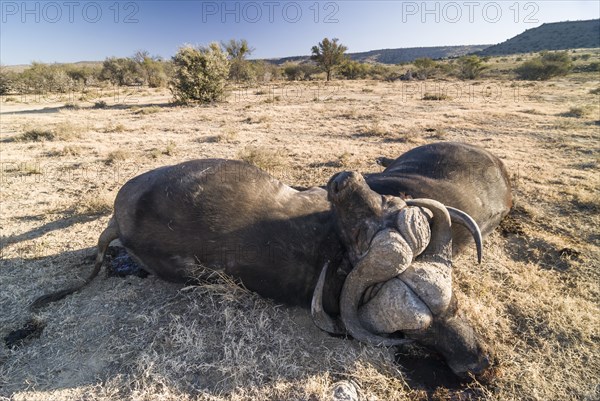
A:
(299, 72)
(83, 75)
(122, 71)
(200, 74)
(8, 80)
(545, 66)
(151, 69)
(263, 71)
(45, 78)
(354, 70)
(470, 67)
(384, 72)
(424, 67)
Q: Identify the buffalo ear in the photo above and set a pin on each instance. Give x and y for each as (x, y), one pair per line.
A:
(413, 225)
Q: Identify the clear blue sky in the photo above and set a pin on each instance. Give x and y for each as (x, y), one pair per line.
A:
(67, 31)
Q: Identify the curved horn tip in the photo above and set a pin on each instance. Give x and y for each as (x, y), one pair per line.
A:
(465, 220)
(320, 318)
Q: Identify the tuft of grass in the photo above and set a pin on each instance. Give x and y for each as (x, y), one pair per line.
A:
(116, 157)
(265, 159)
(146, 110)
(228, 135)
(344, 160)
(60, 132)
(375, 129)
(30, 169)
(434, 96)
(273, 99)
(72, 106)
(65, 131)
(437, 133)
(576, 112)
(566, 124)
(36, 135)
(94, 205)
(70, 150)
(532, 111)
(115, 128)
(168, 150)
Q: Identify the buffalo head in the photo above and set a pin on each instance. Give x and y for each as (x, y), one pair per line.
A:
(401, 277)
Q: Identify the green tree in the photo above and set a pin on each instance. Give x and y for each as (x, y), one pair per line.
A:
(545, 66)
(122, 71)
(424, 67)
(263, 71)
(199, 74)
(470, 67)
(8, 80)
(152, 69)
(329, 54)
(83, 74)
(42, 78)
(237, 52)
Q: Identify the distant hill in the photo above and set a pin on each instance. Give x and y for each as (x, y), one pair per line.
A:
(395, 56)
(552, 36)
(401, 55)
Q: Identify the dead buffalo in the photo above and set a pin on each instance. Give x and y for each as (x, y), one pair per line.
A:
(372, 265)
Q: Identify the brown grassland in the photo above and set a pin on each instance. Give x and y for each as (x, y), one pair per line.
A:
(535, 298)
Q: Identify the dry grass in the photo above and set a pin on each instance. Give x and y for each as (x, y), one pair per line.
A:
(228, 135)
(434, 96)
(63, 131)
(94, 205)
(69, 150)
(117, 156)
(264, 158)
(535, 299)
(577, 112)
(146, 110)
(116, 128)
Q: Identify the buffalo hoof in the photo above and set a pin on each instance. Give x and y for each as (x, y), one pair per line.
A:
(120, 264)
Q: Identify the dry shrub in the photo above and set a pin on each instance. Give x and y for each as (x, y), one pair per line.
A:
(167, 150)
(375, 129)
(576, 111)
(229, 135)
(145, 110)
(72, 106)
(263, 158)
(94, 205)
(36, 135)
(70, 150)
(117, 128)
(63, 131)
(435, 96)
(29, 169)
(116, 156)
